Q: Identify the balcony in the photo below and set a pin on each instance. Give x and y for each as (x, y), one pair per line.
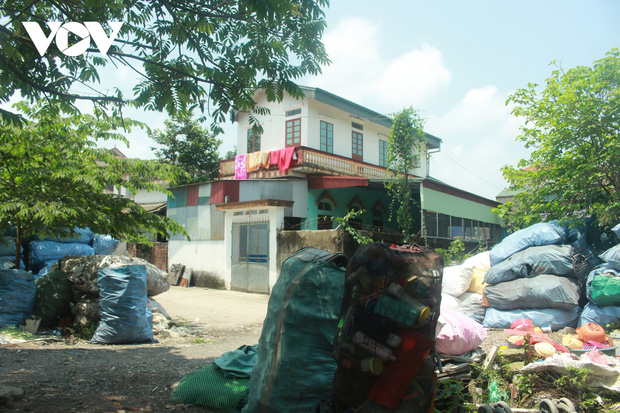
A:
(312, 162)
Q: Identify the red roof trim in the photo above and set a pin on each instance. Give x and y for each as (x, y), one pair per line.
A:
(326, 182)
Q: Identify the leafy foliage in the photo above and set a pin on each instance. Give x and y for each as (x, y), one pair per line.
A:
(344, 223)
(209, 53)
(53, 177)
(573, 127)
(404, 145)
(186, 144)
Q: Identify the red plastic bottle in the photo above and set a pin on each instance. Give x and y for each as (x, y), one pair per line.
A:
(391, 386)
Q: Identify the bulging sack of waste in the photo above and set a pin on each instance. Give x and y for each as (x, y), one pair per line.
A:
(123, 306)
(83, 272)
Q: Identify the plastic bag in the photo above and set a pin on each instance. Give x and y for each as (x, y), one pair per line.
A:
(104, 244)
(554, 318)
(543, 291)
(122, 306)
(41, 251)
(533, 261)
(457, 333)
(535, 235)
(456, 280)
(449, 302)
(612, 254)
(600, 315)
(17, 296)
(471, 306)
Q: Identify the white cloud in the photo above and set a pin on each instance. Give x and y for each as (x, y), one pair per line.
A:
(361, 73)
(478, 139)
(411, 79)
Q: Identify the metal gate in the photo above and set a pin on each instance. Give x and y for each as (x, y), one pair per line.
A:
(250, 257)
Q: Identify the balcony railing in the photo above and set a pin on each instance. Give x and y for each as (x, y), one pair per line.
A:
(312, 161)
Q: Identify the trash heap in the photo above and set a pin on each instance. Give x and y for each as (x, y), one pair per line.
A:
(387, 329)
(82, 273)
(532, 276)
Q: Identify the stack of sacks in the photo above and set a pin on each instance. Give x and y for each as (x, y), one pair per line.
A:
(43, 254)
(532, 276)
(462, 286)
(603, 291)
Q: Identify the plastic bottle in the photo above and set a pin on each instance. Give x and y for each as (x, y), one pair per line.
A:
(390, 387)
(401, 312)
(370, 345)
(372, 365)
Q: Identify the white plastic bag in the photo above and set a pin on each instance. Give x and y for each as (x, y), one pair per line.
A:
(456, 280)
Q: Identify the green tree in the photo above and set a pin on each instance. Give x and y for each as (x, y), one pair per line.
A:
(53, 177)
(186, 144)
(209, 53)
(404, 145)
(572, 125)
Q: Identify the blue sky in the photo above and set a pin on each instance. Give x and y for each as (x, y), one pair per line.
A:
(457, 62)
(454, 61)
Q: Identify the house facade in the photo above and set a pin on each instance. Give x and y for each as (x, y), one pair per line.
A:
(316, 158)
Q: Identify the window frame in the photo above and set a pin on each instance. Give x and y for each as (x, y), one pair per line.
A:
(328, 146)
(357, 141)
(383, 149)
(252, 136)
(293, 139)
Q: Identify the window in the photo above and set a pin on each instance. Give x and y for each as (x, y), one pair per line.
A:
(324, 206)
(456, 227)
(324, 222)
(383, 153)
(292, 112)
(293, 132)
(357, 125)
(443, 222)
(253, 141)
(430, 223)
(357, 143)
(327, 137)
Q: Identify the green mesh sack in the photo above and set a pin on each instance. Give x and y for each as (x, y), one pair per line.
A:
(210, 387)
(295, 366)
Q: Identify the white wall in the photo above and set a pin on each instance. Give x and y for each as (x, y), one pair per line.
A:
(205, 256)
(144, 197)
(312, 112)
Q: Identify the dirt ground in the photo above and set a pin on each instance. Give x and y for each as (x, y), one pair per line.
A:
(74, 376)
(64, 375)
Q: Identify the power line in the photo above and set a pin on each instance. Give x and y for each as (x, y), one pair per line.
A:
(482, 179)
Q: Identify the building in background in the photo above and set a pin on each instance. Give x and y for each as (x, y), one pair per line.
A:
(318, 157)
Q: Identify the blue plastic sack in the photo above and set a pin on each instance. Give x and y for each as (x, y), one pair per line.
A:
(84, 236)
(41, 251)
(7, 246)
(533, 261)
(612, 254)
(543, 291)
(544, 233)
(600, 315)
(548, 317)
(123, 306)
(17, 295)
(11, 259)
(104, 244)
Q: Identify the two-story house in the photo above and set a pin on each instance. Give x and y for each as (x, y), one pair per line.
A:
(317, 157)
